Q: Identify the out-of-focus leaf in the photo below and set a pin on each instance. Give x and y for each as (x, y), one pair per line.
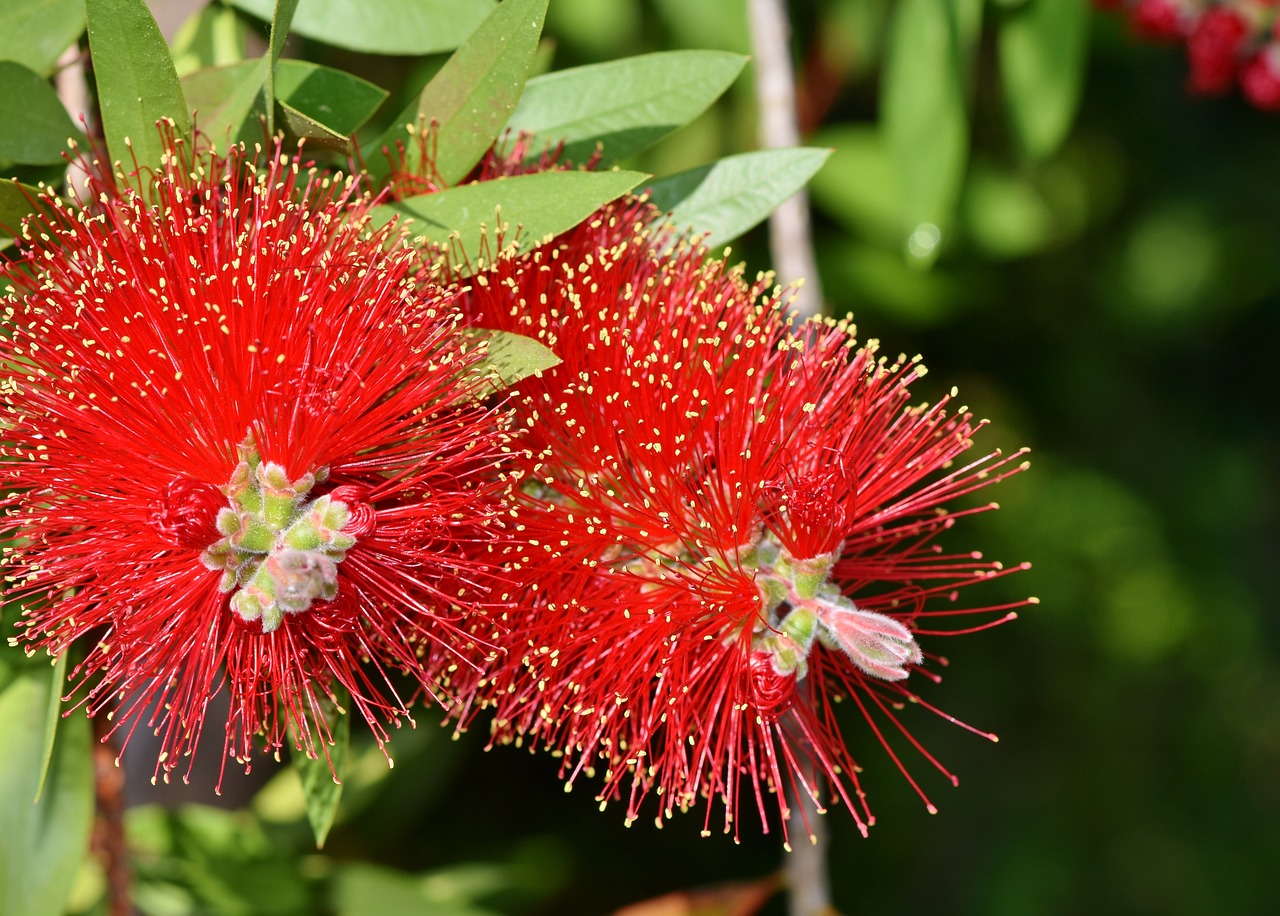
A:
(1042, 50)
(322, 776)
(1004, 215)
(624, 105)
(320, 102)
(726, 198)
(472, 96)
(137, 84)
(16, 201)
(213, 37)
(383, 26)
(536, 206)
(34, 127)
(925, 122)
(41, 844)
(740, 898)
(511, 357)
(859, 184)
(54, 715)
(34, 33)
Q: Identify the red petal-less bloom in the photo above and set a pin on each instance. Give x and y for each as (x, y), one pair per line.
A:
(727, 528)
(241, 449)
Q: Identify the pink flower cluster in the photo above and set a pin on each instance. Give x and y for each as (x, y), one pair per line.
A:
(1228, 42)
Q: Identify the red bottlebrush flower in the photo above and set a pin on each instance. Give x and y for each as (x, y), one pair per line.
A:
(728, 526)
(1213, 50)
(1260, 78)
(242, 450)
(1159, 20)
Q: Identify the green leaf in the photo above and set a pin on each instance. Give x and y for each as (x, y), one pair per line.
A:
(384, 26)
(925, 122)
(1042, 49)
(475, 91)
(214, 37)
(304, 127)
(222, 99)
(625, 105)
(16, 201)
(537, 207)
(318, 102)
(510, 357)
(34, 33)
(280, 20)
(34, 127)
(52, 718)
(726, 198)
(137, 83)
(322, 777)
(42, 844)
(338, 100)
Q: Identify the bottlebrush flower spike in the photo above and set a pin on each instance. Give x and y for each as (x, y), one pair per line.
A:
(728, 527)
(242, 451)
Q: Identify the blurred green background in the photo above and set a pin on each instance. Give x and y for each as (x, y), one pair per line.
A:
(1115, 307)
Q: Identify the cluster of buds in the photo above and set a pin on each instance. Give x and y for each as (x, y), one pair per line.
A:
(1228, 42)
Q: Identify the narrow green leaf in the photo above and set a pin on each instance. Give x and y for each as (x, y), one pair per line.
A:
(34, 127)
(726, 198)
(52, 718)
(624, 105)
(322, 778)
(41, 844)
(510, 357)
(137, 83)
(34, 33)
(475, 91)
(1042, 48)
(17, 200)
(537, 207)
(384, 26)
(280, 20)
(925, 122)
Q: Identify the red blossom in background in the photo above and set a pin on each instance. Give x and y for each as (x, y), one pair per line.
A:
(242, 451)
(728, 527)
(1228, 41)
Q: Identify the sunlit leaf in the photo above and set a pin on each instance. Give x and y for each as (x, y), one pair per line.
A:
(623, 105)
(726, 198)
(474, 93)
(1042, 50)
(137, 83)
(34, 33)
(384, 26)
(41, 844)
(526, 209)
(510, 357)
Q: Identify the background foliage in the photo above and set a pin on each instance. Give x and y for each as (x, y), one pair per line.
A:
(1105, 290)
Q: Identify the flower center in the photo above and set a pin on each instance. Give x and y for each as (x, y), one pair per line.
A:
(278, 552)
(802, 605)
